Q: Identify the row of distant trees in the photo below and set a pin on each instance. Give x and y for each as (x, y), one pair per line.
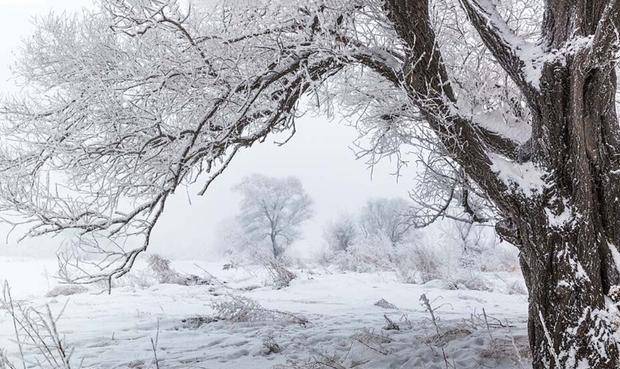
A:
(385, 218)
(273, 210)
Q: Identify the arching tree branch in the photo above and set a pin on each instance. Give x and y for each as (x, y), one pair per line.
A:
(426, 79)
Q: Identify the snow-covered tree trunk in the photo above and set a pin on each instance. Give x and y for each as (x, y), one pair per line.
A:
(566, 231)
(569, 272)
(567, 242)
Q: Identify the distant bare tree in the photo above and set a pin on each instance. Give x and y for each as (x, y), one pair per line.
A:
(386, 218)
(273, 209)
(341, 233)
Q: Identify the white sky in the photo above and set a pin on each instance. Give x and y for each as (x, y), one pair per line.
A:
(319, 155)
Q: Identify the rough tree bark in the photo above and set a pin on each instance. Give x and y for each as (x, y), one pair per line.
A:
(576, 137)
(568, 264)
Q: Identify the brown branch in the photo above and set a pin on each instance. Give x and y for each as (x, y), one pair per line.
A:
(605, 44)
(496, 142)
(509, 49)
(427, 82)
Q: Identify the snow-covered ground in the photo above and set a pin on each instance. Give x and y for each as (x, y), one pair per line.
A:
(345, 329)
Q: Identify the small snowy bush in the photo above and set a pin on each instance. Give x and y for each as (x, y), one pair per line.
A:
(162, 270)
(367, 255)
(196, 322)
(280, 275)
(515, 349)
(342, 233)
(426, 261)
(66, 290)
(470, 280)
(270, 346)
(501, 257)
(136, 278)
(165, 274)
(239, 309)
(383, 303)
(37, 331)
(451, 254)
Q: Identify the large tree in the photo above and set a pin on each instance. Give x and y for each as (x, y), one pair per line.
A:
(518, 104)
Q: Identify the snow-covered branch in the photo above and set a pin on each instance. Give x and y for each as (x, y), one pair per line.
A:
(135, 101)
(428, 84)
(130, 103)
(519, 58)
(606, 42)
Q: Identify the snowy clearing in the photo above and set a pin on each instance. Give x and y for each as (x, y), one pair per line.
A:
(345, 328)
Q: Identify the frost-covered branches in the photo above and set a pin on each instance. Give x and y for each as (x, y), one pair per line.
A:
(128, 103)
(447, 193)
(36, 334)
(516, 55)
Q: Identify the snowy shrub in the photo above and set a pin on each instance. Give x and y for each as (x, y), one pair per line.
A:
(239, 309)
(478, 247)
(515, 349)
(447, 335)
(280, 275)
(425, 261)
(196, 322)
(229, 266)
(325, 258)
(470, 280)
(470, 247)
(141, 276)
(137, 278)
(165, 274)
(369, 340)
(66, 290)
(367, 255)
(318, 361)
(383, 303)
(453, 254)
(353, 261)
(341, 233)
(36, 333)
(270, 346)
(156, 270)
(390, 325)
(356, 261)
(162, 270)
